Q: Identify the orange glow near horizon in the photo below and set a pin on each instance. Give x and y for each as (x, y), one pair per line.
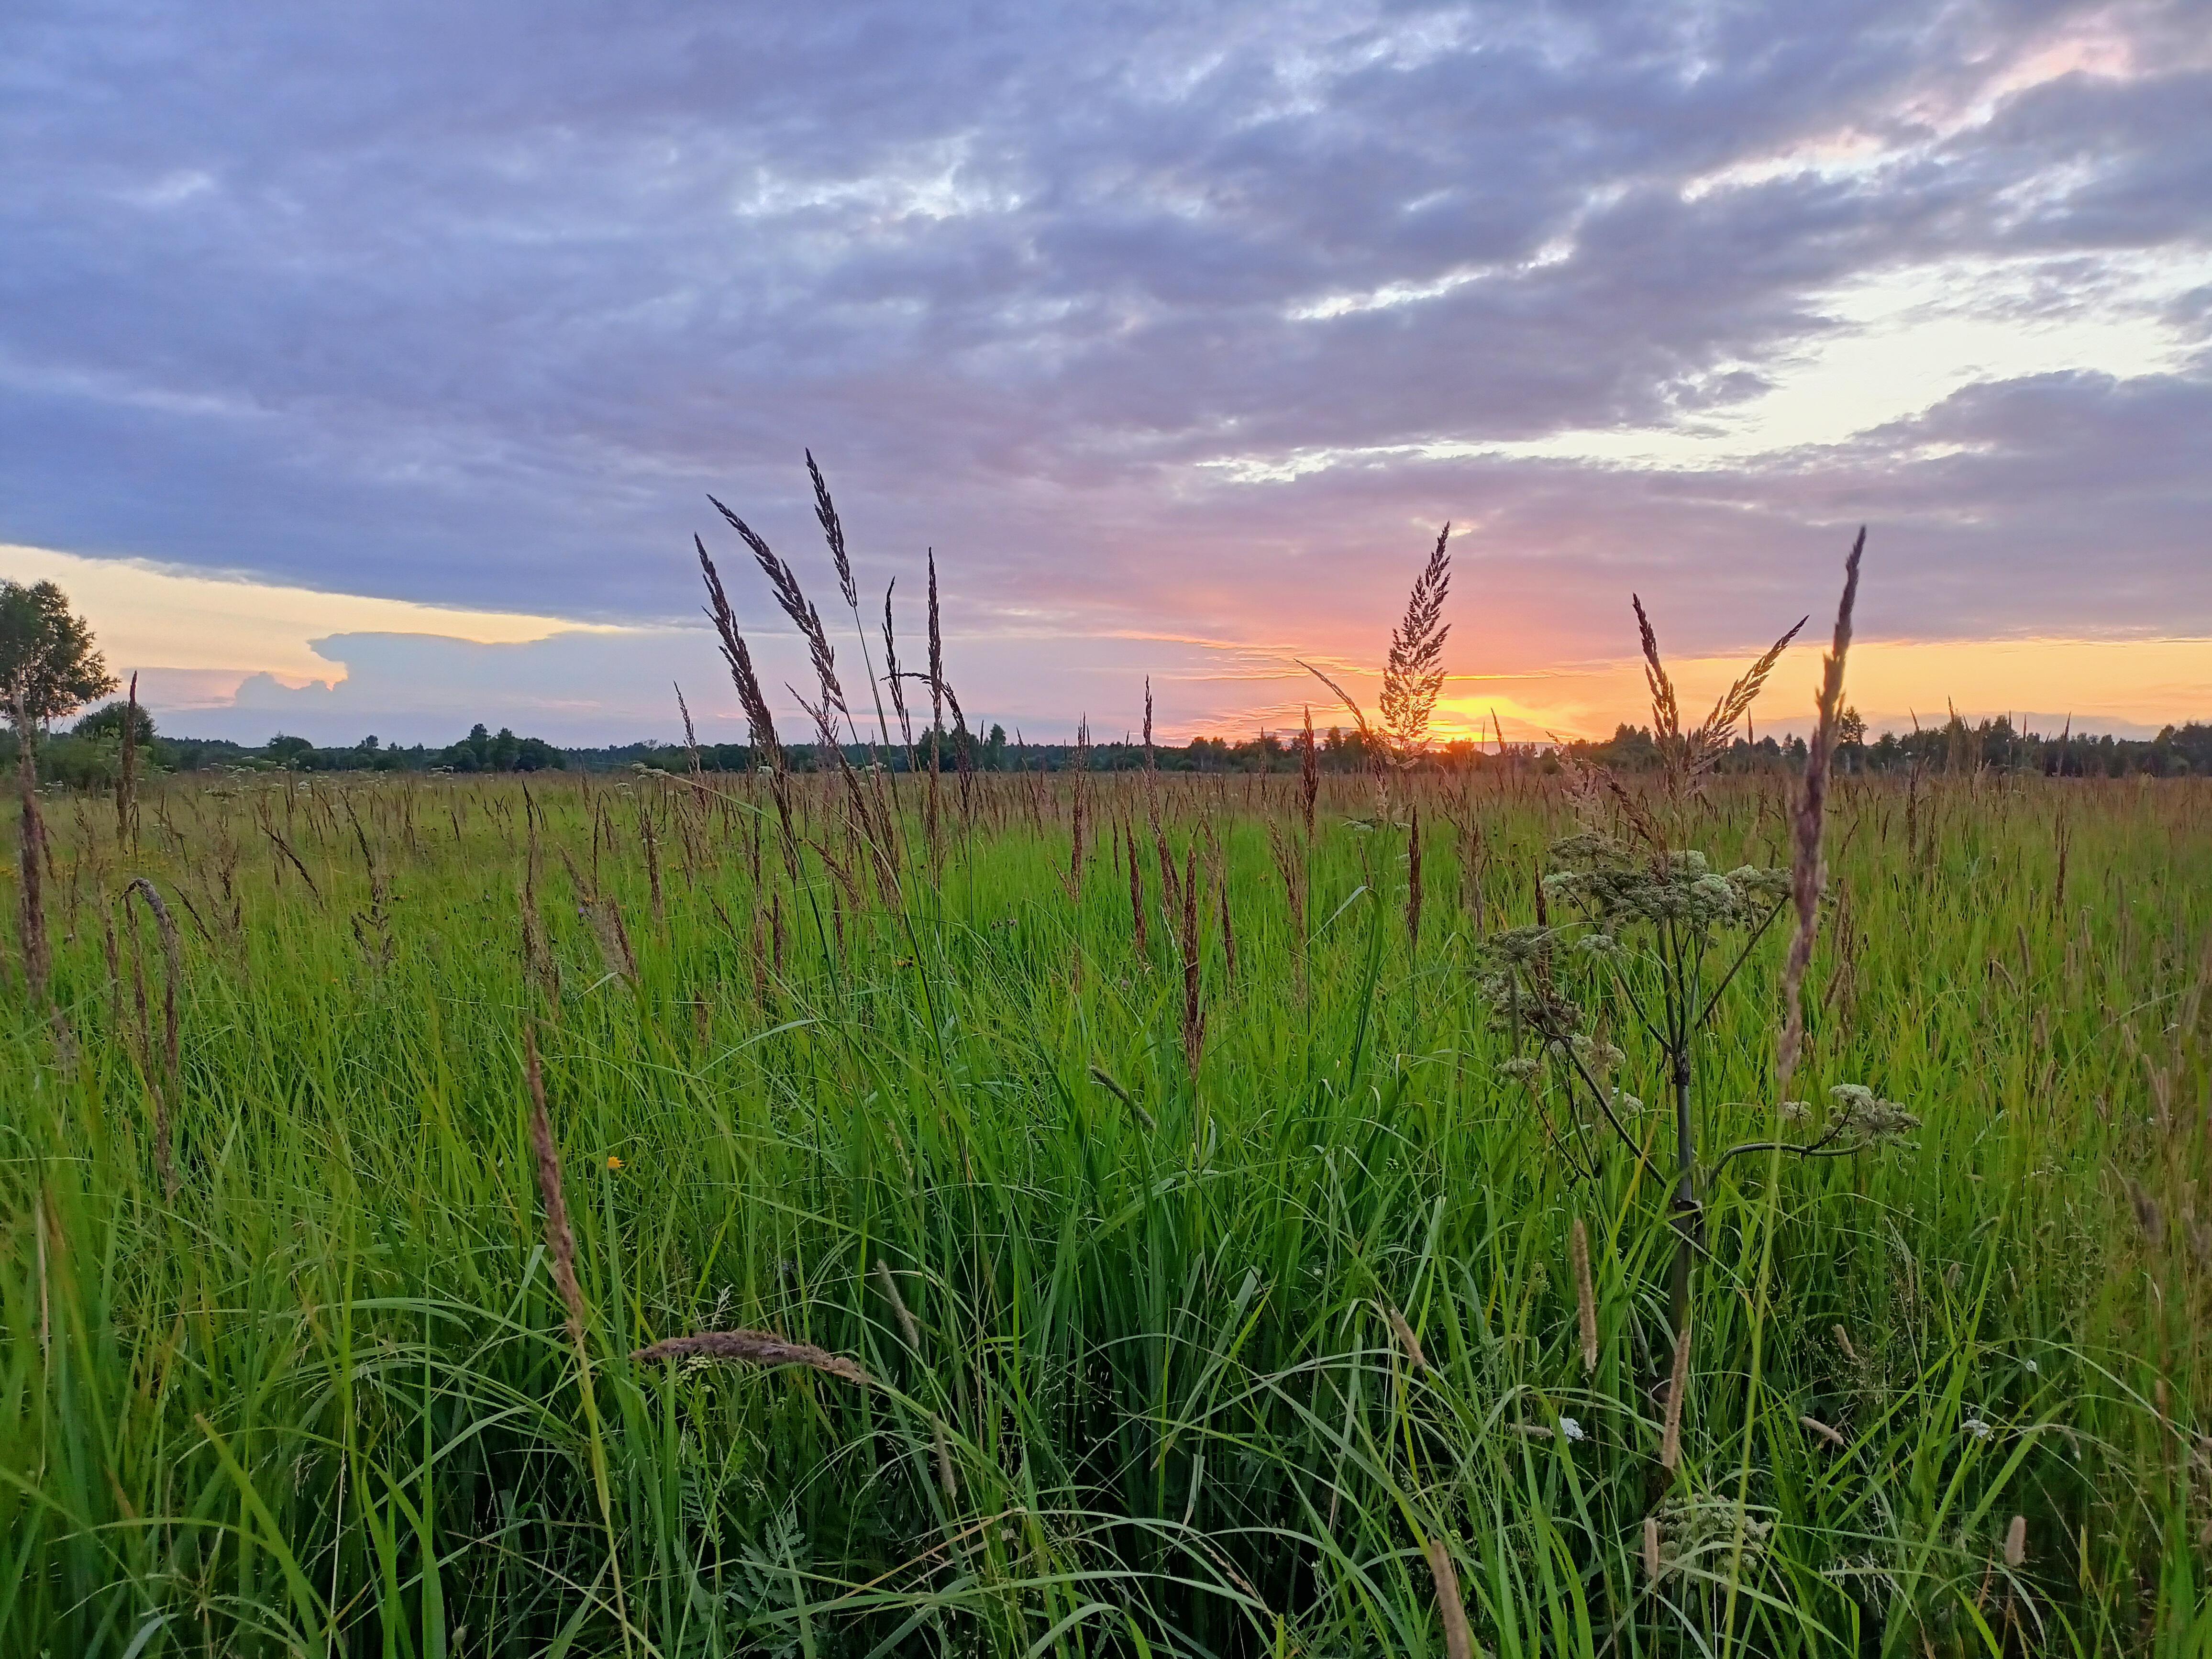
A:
(2099, 683)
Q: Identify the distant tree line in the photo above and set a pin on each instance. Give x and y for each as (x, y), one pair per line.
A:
(88, 754)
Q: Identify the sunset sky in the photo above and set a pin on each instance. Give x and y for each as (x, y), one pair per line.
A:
(366, 369)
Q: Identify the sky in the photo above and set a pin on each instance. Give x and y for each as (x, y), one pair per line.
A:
(367, 369)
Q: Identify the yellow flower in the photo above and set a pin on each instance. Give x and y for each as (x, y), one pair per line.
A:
(614, 1164)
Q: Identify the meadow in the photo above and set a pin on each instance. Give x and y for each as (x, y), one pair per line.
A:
(1172, 1239)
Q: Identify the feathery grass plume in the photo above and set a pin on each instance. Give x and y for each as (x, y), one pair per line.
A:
(1193, 1015)
(30, 851)
(1666, 710)
(1808, 876)
(1413, 881)
(1292, 867)
(1709, 741)
(126, 775)
(1228, 930)
(1653, 1566)
(172, 964)
(1843, 1341)
(760, 721)
(791, 599)
(1308, 771)
(1078, 809)
(1136, 890)
(1413, 673)
(1406, 1339)
(1678, 1385)
(603, 917)
(1579, 1262)
(754, 1348)
(2015, 1544)
(833, 532)
(1459, 1641)
(1816, 1426)
(893, 678)
(160, 1082)
(560, 1241)
(691, 743)
(912, 1336)
(2149, 1217)
(936, 703)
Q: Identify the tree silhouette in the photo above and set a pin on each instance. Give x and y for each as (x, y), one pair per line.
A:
(48, 666)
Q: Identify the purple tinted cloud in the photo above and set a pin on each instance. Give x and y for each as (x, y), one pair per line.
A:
(473, 304)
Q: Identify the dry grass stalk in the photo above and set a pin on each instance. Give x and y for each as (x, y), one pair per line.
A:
(1080, 809)
(1678, 1385)
(1459, 1641)
(1813, 1424)
(754, 1348)
(1807, 875)
(1136, 889)
(172, 966)
(1228, 931)
(1413, 881)
(31, 843)
(1309, 772)
(1652, 1563)
(560, 1241)
(936, 703)
(126, 774)
(1193, 1015)
(912, 1334)
(1843, 1341)
(1578, 1260)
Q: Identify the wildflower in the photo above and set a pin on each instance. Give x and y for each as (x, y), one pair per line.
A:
(1865, 1113)
(1570, 1429)
(1795, 1111)
(1977, 1428)
(614, 1163)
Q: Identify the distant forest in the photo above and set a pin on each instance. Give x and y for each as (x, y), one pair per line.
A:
(88, 754)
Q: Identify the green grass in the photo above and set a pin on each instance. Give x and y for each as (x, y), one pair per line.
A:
(324, 1401)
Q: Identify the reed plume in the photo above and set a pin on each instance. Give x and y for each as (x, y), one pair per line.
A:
(1459, 1640)
(1309, 772)
(1412, 674)
(1578, 1260)
(1136, 889)
(1193, 1015)
(1406, 1339)
(1807, 875)
(161, 1081)
(1678, 1385)
(126, 774)
(753, 1348)
(560, 1241)
(31, 851)
(1078, 809)
(783, 582)
(1413, 881)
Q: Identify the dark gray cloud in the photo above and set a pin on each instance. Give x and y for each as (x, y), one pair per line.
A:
(472, 304)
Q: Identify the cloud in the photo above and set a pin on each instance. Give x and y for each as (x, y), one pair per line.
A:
(1157, 320)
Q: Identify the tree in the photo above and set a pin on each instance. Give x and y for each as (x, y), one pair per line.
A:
(106, 723)
(46, 654)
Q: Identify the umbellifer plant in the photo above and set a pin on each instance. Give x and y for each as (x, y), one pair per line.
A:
(1640, 938)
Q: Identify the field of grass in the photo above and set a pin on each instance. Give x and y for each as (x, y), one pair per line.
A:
(1279, 1353)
